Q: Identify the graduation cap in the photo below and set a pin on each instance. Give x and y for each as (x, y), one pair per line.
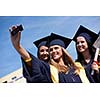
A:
(56, 39)
(41, 42)
(89, 35)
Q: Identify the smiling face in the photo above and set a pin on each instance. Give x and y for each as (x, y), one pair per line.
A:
(81, 44)
(56, 52)
(43, 53)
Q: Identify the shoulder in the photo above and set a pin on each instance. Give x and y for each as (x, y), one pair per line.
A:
(79, 65)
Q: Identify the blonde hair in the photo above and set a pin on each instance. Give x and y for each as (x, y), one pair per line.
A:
(68, 61)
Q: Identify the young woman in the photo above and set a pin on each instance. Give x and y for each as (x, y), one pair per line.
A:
(42, 52)
(84, 39)
(63, 68)
(34, 69)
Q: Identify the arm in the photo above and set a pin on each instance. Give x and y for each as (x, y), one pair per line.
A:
(40, 72)
(16, 44)
(32, 70)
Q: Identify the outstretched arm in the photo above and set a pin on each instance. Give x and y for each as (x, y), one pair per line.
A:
(16, 44)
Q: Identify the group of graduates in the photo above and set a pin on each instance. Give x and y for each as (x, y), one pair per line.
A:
(53, 63)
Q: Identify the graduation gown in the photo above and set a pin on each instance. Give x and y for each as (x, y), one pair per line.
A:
(40, 71)
(69, 77)
(95, 78)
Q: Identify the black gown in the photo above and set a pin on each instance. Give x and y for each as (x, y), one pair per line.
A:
(69, 77)
(40, 73)
(95, 78)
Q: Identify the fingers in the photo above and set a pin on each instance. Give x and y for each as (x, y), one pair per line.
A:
(15, 29)
(95, 66)
(12, 28)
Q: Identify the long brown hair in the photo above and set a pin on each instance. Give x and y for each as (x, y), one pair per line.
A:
(68, 61)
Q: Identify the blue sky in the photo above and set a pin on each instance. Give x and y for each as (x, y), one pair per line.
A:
(36, 27)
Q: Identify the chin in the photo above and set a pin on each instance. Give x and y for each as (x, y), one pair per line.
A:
(45, 58)
(81, 51)
(56, 59)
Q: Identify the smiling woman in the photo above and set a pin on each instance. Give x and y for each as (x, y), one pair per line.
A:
(84, 39)
(36, 27)
(63, 69)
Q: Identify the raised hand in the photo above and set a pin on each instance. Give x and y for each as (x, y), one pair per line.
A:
(15, 38)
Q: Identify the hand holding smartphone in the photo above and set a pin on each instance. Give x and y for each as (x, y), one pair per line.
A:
(16, 30)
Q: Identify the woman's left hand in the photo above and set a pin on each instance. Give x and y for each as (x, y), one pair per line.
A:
(95, 67)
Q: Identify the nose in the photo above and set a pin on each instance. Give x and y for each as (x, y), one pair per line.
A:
(79, 44)
(45, 52)
(53, 50)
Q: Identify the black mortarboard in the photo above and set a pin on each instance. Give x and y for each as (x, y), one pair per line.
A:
(89, 35)
(56, 39)
(41, 42)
